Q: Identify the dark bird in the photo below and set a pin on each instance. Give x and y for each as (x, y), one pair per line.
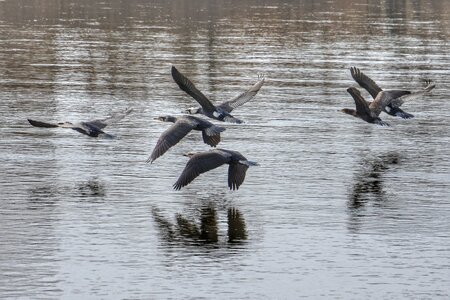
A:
(220, 112)
(392, 108)
(205, 161)
(181, 127)
(91, 128)
(369, 111)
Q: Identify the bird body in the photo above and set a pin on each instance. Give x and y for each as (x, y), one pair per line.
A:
(90, 128)
(370, 111)
(393, 108)
(220, 112)
(181, 127)
(205, 161)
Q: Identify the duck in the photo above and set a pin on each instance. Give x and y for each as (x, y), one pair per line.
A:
(181, 127)
(392, 108)
(370, 111)
(201, 162)
(92, 128)
(220, 112)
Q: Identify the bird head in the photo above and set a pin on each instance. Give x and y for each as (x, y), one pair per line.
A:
(166, 118)
(347, 111)
(190, 154)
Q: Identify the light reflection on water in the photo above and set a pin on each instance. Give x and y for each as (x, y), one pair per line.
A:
(337, 208)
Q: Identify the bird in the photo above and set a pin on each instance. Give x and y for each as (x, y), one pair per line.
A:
(218, 112)
(392, 108)
(369, 111)
(181, 127)
(201, 162)
(92, 128)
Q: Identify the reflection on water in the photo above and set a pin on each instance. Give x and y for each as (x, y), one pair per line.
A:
(369, 182)
(201, 230)
(93, 188)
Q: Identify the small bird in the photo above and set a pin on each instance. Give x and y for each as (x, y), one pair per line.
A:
(205, 161)
(181, 127)
(220, 112)
(392, 108)
(91, 128)
(369, 111)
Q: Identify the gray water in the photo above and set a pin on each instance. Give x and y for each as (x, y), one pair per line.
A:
(338, 208)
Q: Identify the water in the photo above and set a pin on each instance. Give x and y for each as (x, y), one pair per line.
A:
(338, 208)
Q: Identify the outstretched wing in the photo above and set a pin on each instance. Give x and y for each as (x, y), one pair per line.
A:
(186, 85)
(236, 175)
(115, 117)
(366, 82)
(170, 138)
(362, 107)
(211, 135)
(243, 98)
(413, 95)
(198, 164)
(384, 98)
(42, 124)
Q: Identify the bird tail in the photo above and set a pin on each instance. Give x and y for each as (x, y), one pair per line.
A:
(249, 163)
(231, 119)
(214, 130)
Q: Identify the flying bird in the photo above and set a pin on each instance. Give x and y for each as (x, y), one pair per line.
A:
(181, 127)
(218, 112)
(205, 161)
(392, 108)
(370, 111)
(91, 128)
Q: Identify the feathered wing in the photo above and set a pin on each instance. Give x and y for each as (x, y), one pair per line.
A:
(236, 175)
(243, 98)
(413, 95)
(170, 137)
(362, 107)
(384, 98)
(186, 85)
(366, 82)
(89, 128)
(41, 124)
(211, 135)
(198, 164)
(115, 117)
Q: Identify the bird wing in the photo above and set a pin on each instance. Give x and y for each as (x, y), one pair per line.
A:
(243, 98)
(366, 82)
(236, 175)
(42, 124)
(186, 85)
(200, 163)
(211, 140)
(170, 137)
(361, 105)
(413, 95)
(115, 117)
(384, 98)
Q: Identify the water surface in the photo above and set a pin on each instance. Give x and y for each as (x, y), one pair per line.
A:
(338, 208)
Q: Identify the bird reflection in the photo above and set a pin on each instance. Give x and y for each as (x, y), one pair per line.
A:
(91, 188)
(205, 231)
(369, 183)
(236, 226)
(208, 232)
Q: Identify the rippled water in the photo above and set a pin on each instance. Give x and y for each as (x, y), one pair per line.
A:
(338, 208)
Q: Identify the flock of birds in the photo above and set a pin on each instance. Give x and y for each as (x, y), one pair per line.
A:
(388, 101)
